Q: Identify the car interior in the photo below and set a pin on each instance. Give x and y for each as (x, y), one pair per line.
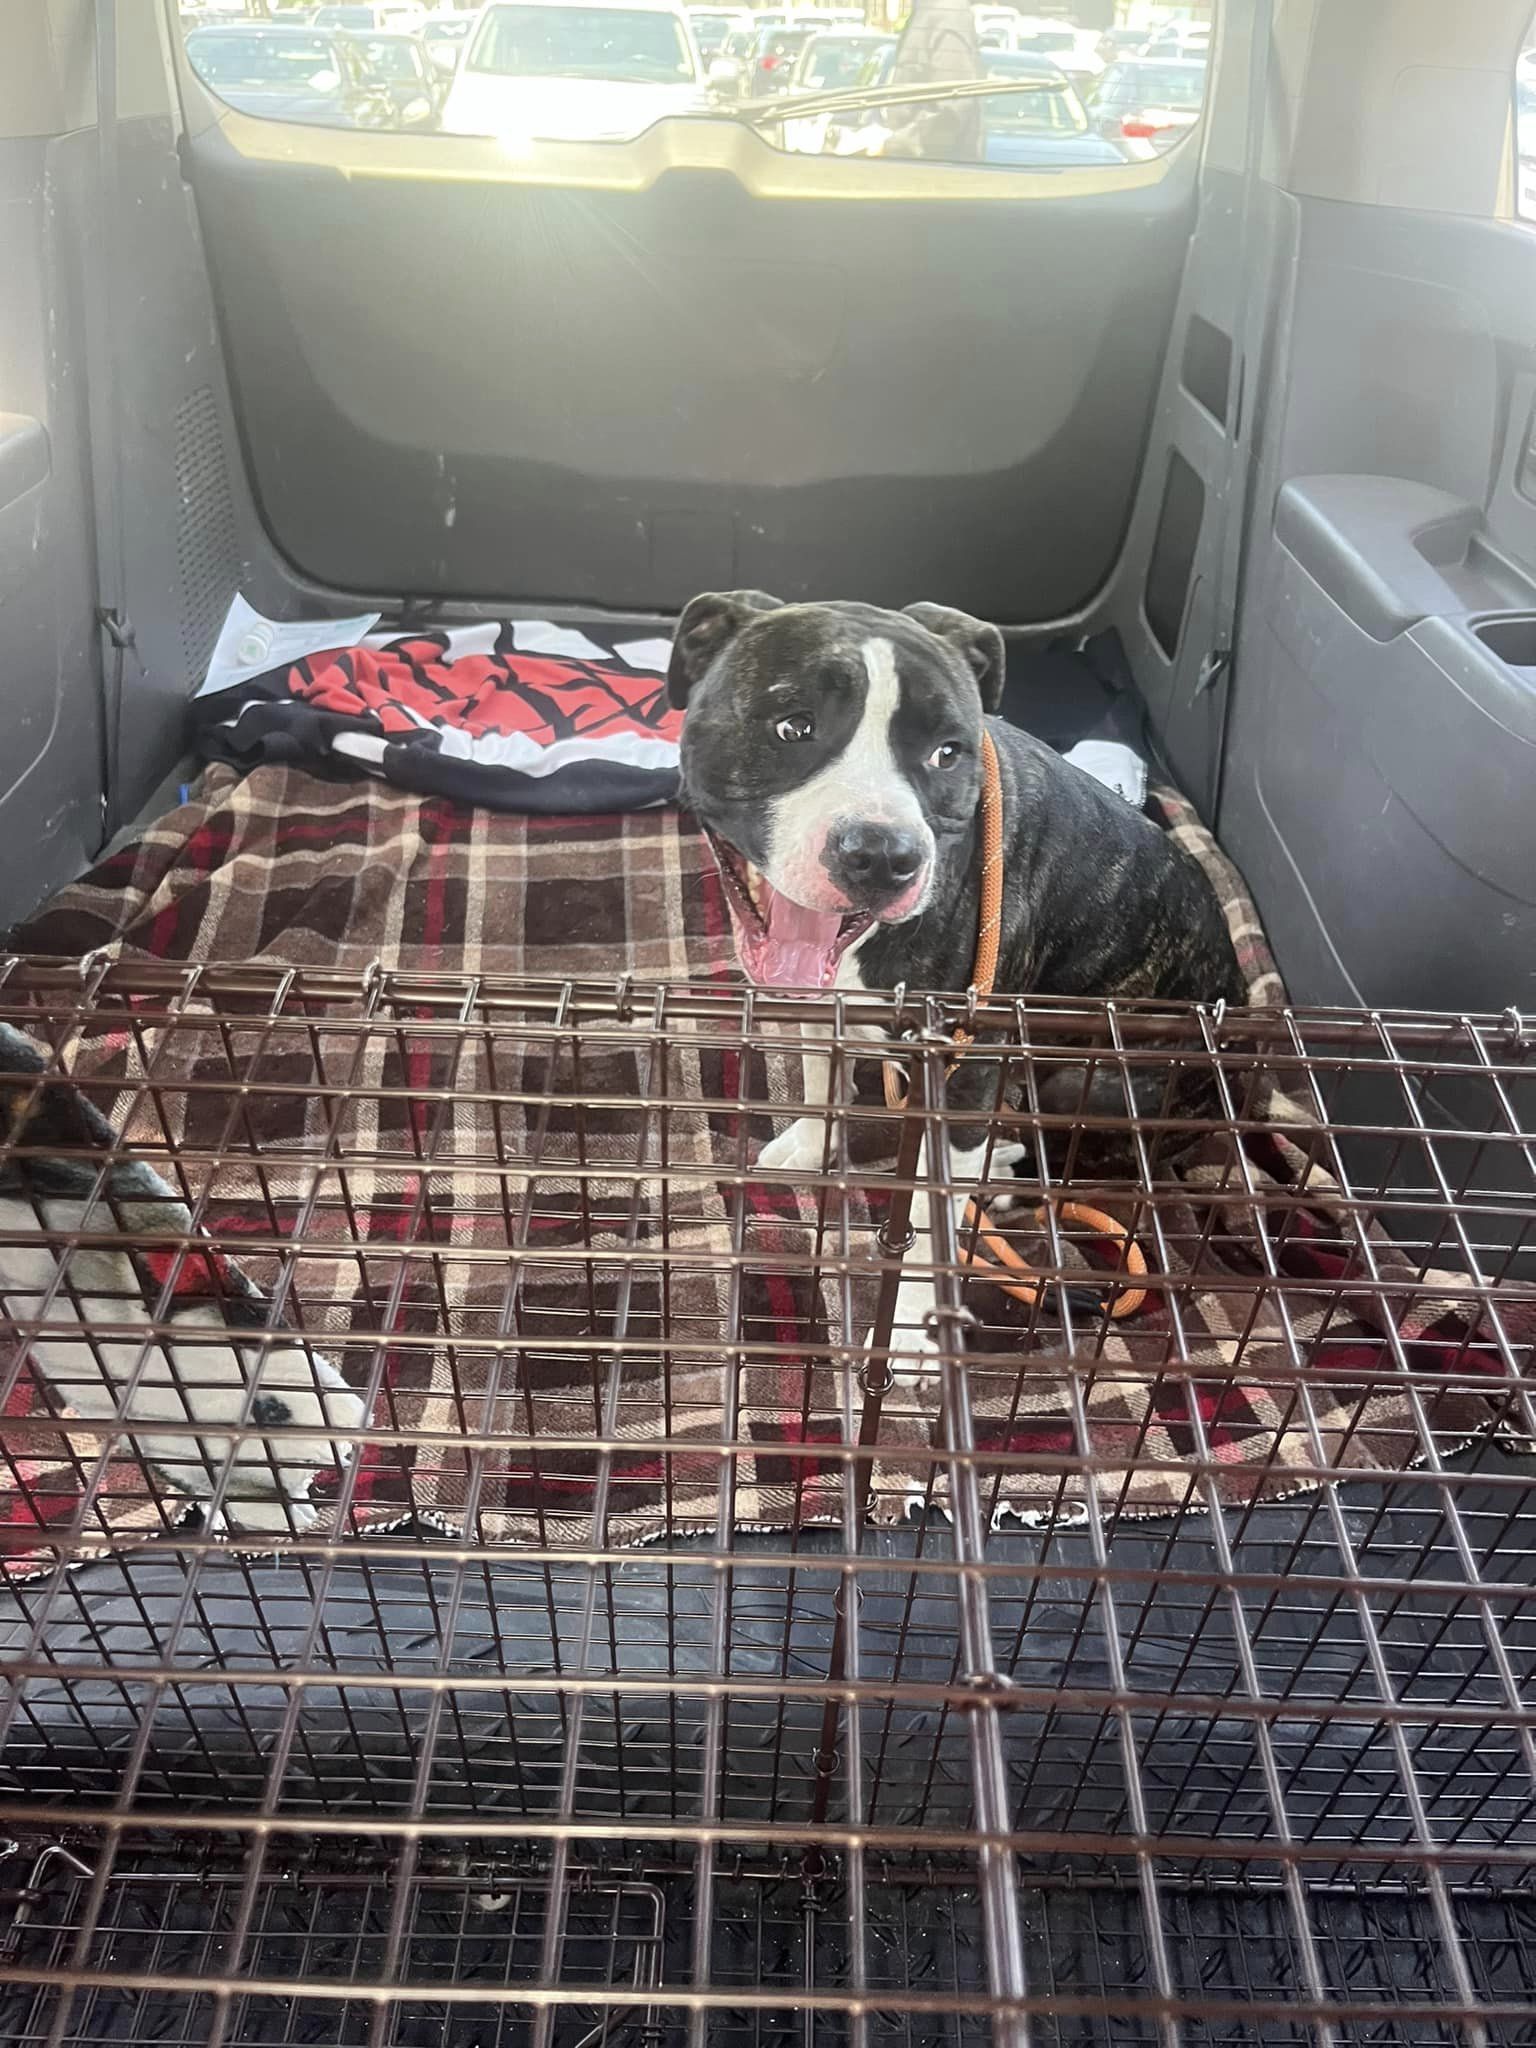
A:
(1261, 407)
(1235, 440)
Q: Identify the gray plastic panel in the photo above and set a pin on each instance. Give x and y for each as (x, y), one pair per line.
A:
(472, 387)
(1357, 890)
(181, 543)
(117, 485)
(1440, 727)
(1186, 703)
(1390, 553)
(1382, 752)
(1208, 418)
(51, 753)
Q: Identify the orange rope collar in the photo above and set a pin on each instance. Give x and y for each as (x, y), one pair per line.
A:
(989, 928)
(988, 1249)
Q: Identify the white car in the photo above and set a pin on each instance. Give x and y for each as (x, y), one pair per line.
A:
(1179, 40)
(992, 21)
(1072, 50)
(445, 34)
(711, 26)
(550, 71)
(372, 17)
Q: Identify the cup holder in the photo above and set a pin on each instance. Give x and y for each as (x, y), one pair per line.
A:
(1512, 640)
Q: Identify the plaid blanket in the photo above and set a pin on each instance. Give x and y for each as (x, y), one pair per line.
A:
(281, 868)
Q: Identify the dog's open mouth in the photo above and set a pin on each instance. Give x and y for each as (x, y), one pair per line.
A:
(778, 941)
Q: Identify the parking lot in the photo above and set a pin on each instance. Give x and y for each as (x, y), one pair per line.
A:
(986, 85)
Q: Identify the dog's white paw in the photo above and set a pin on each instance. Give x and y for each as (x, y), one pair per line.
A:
(914, 1352)
(913, 1358)
(801, 1148)
(268, 1517)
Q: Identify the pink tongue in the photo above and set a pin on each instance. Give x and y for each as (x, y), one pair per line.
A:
(798, 948)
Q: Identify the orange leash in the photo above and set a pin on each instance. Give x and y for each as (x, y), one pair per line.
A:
(999, 1252)
(989, 928)
(989, 1249)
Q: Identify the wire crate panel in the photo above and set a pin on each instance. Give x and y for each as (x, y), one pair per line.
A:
(164, 1927)
(483, 1557)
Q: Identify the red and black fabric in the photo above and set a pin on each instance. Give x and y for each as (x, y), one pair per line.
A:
(511, 730)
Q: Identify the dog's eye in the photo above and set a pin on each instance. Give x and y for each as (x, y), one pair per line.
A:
(795, 728)
(945, 756)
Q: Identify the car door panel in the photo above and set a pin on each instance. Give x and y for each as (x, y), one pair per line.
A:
(1383, 739)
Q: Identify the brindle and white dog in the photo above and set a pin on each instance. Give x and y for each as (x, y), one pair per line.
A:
(833, 754)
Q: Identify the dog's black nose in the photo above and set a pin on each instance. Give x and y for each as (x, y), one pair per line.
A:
(873, 863)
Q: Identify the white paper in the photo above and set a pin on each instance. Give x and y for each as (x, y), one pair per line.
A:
(540, 636)
(480, 639)
(1119, 768)
(250, 644)
(652, 655)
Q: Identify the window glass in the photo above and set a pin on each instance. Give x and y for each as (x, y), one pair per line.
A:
(1055, 110)
(259, 59)
(1080, 83)
(624, 45)
(396, 58)
(1525, 129)
(710, 30)
(828, 62)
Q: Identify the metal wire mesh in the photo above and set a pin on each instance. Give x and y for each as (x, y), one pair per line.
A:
(719, 1611)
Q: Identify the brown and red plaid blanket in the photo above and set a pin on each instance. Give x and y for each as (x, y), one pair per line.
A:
(281, 868)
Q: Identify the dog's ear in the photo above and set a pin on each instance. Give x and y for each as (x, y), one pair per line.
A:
(981, 646)
(708, 624)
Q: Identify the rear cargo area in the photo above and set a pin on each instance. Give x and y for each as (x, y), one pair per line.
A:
(483, 1560)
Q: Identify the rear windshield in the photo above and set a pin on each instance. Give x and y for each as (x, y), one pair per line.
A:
(1047, 109)
(833, 63)
(1048, 39)
(390, 56)
(581, 42)
(226, 60)
(1156, 85)
(345, 17)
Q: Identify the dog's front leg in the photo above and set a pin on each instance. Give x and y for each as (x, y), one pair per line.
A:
(914, 1351)
(802, 1146)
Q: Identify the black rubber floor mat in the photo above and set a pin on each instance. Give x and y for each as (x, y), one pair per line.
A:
(1064, 694)
(331, 1928)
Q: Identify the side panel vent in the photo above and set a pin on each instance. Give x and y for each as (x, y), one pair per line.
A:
(1206, 372)
(207, 563)
(1173, 553)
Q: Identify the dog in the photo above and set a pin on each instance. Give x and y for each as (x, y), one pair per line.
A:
(833, 755)
(63, 1170)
